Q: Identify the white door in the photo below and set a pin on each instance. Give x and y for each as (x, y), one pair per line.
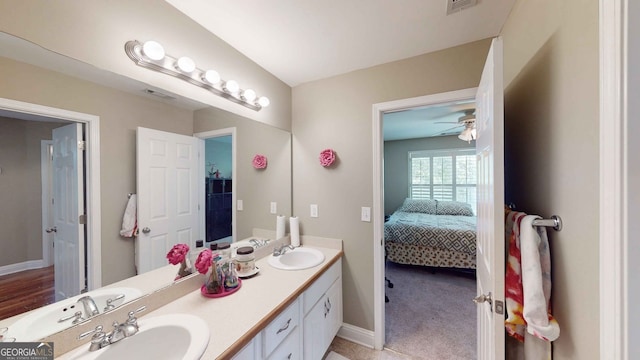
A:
(490, 244)
(167, 188)
(68, 205)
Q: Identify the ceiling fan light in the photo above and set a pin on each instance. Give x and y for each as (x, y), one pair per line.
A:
(466, 135)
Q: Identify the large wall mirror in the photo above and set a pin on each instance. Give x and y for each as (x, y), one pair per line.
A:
(33, 75)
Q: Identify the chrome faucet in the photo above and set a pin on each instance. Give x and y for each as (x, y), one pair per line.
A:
(90, 307)
(280, 250)
(101, 339)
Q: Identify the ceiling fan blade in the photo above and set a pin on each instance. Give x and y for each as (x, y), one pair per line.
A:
(447, 122)
(445, 131)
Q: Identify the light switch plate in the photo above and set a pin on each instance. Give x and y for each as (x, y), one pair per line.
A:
(365, 214)
(274, 207)
(240, 205)
(314, 210)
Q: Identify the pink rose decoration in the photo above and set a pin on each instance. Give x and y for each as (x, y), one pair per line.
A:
(327, 157)
(204, 261)
(177, 253)
(259, 161)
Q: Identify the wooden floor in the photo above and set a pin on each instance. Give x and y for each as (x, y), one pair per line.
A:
(26, 290)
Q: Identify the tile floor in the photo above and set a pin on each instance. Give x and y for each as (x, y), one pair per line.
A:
(354, 351)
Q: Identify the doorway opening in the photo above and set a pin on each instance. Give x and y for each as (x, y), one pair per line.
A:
(413, 171)
(39, 121)
(218, 191)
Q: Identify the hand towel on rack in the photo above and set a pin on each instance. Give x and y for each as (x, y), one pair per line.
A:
(514, 299)
(536, 280)
(129, 219)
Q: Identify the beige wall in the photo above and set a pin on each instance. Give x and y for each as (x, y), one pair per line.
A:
(95, 32)
(396, 165)
(120, 114)
(337, 113)
(256, 188)
(551, 146)
(20, 189)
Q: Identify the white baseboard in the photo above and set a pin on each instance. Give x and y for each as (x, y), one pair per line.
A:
(356, 335)
(25, 265)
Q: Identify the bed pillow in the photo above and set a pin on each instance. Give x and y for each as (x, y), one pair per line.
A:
(421, 206)
(453, 208)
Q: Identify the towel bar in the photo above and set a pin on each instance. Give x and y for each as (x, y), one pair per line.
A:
(555, 222)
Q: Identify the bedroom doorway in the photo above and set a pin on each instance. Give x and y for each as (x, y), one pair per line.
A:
(416, 148)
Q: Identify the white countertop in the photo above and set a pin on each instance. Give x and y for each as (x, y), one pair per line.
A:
(235, 319)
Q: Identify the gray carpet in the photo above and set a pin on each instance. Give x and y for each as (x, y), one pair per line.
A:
(430, 316)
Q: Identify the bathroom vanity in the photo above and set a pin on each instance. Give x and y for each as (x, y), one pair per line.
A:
(277, 314)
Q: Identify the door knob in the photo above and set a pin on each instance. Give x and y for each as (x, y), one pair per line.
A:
(483, 298)
(51, 229)
(146, 230)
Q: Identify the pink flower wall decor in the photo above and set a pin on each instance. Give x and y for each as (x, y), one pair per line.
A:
(327, 157)
(259, 161)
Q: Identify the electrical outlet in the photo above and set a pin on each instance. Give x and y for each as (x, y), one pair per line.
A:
(365, 214)
(274, 207)
(240, 205)
(314, 210)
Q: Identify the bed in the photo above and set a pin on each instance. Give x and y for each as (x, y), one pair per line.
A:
(432, 233)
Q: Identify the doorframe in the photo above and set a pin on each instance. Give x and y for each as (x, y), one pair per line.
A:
(619, 289)
(24, 110)
(378, 194)
(231, 131)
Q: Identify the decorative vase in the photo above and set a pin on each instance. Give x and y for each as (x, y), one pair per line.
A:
(185, 269)
(215, 280)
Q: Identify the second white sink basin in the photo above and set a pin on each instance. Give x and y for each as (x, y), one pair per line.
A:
(163, 337)
(298, 259)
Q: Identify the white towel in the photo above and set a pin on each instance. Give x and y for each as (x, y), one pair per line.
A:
(536, 280)
(129, 219)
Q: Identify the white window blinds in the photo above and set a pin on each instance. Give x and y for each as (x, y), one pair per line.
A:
(444, 175)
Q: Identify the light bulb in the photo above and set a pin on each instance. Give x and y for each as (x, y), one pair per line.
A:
(263, 101)
(153, 50)
(185, 64)
(248, 95)
(231, 86)
(211, 76)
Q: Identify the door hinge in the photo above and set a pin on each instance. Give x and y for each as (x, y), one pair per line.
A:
(82, 145)
(82, 219)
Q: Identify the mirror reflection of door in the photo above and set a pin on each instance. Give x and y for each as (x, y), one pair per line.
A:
(218, 189)
(68, 208)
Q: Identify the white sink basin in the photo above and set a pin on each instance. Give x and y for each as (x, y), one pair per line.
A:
(173, 336)
(45, 320)
(297, 259)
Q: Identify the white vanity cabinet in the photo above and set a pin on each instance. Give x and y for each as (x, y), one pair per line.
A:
(305, 329)
(322, 313)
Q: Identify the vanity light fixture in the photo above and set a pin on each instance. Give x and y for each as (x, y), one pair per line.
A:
(151, 55)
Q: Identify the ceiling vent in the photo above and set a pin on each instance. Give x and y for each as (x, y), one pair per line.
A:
(158, 94)
(454, 6)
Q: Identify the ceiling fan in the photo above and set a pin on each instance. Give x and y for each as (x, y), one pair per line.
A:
(468, 121)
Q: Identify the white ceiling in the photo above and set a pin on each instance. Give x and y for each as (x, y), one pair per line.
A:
(304, 40)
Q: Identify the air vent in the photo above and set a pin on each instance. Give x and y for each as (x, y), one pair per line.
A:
(158, 94)
(454, 6)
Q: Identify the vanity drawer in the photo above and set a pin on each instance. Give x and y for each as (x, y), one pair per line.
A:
(289, 349)
(315, 291)
(279, 328)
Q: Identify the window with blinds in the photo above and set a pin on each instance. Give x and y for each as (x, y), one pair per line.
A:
(446, 175)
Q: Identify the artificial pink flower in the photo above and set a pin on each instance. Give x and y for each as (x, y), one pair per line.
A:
(177, 253)
(327, 157)
(259, 161)
(203, 262)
